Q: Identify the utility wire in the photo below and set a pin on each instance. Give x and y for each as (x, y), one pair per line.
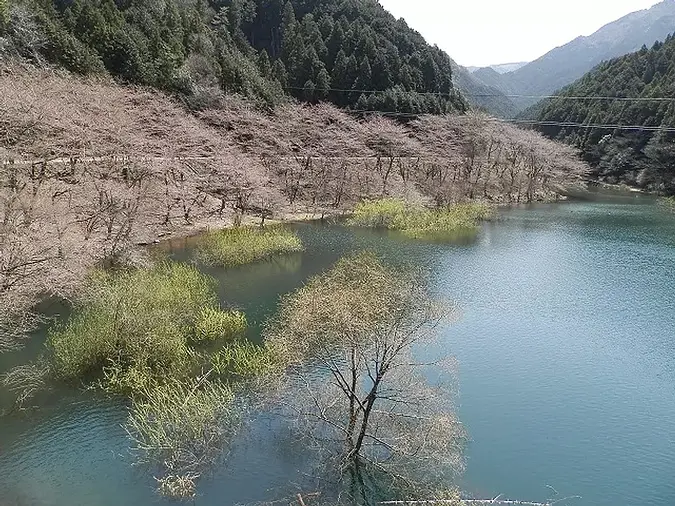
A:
(566, 124)
(562, 124)
(488, 95)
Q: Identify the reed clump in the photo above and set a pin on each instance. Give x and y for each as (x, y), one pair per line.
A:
(244, 245)
(213, 324)
(668, 202)
(244, 360)
(184, 425)
(132, 330)
(419, 222)
(159, 337)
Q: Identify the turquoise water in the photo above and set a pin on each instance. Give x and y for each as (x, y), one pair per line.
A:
(566, 375)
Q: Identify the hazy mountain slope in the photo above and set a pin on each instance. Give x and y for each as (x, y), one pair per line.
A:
(504, 68)
(482, 95)
(641, 157)
(501, 68)
(491, 77)
(565, 64)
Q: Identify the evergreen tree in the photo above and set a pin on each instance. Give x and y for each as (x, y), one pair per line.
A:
(382, 78)
(365, 76)
(340, 70)
(289, 22)
(322, 84)
(362, 103)
(279, 73)
(264, 64)
(431, 75)
(309, 90)
(352, 72)
(335, 44)
(406, 78)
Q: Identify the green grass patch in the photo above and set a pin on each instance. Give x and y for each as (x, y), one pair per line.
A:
(246, 360)
(159, 337)
(184, 425)
(133, 329)
(668, 202)
(214, 324)
(244, 245)
(419, 222)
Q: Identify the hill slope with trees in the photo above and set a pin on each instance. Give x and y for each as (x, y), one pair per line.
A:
(644, 156)
(564, 65)
(262, 49)
(89, 168)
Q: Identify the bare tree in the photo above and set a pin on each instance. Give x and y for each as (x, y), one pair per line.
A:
(370, 412)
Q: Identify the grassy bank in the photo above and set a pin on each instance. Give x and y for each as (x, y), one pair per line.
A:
(419, 222)
(243, 245)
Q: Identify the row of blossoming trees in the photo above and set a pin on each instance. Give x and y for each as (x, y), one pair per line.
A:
(90, 169)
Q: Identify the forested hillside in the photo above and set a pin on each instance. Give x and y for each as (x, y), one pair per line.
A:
(644, 156)
(262, 49)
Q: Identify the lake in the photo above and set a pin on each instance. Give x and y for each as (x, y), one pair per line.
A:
(565, 345)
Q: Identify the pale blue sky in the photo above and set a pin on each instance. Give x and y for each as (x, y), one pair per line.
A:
(486, 32)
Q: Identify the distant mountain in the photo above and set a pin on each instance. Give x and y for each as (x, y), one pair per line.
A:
(501, 68)
(641, 157)
(480, 94)
(565, 64)
(491, 77)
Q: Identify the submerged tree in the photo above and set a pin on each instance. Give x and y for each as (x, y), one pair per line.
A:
(369, 412)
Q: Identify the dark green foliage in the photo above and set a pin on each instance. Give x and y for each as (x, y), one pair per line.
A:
(187, 46)
(645, 158)
(262, 49)
(359, 46)
(4, 15)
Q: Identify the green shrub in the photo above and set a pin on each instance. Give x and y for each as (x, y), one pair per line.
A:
(419, 222)
(245, 245)
(383, 213)
(4, 15)
(668, 202)
(213, 324)
(64, 48)
(133, 329)
(183, 425)
(244, 360)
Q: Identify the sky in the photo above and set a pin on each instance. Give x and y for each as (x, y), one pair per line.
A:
(488, 32)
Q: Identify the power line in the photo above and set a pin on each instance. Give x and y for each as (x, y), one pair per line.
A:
(565, 124)
(586, 98)
(488, 95)
(562, 124)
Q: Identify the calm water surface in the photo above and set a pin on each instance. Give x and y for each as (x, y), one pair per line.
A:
(566, 356)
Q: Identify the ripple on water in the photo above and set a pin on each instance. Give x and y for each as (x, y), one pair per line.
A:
(77, 450)
(566, 369)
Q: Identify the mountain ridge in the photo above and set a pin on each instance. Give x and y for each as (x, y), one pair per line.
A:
(565, 64)
(501, 68)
